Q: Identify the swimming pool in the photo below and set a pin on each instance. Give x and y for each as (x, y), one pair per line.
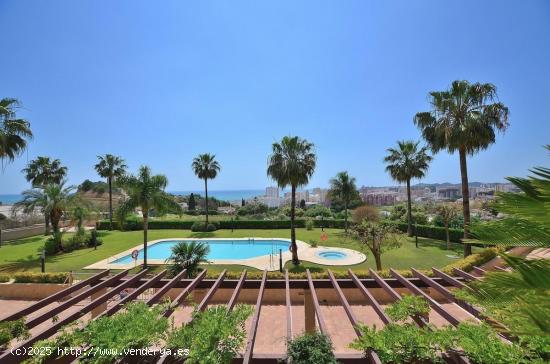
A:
(219, 249)
(332, 255)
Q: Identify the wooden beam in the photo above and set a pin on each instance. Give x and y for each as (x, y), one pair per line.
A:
(447, 278)
(171, 283)
(420, 321)
(183, 294)
(370, 298)
(55, 297)
(465, 275)
(204, 303)
(448, 294)
(433, 303)
(288, 308)
(235, 295)
(247, 359)
(372, 356)
(79, 297)
(133, 295)
(320, 319)
(479, 270)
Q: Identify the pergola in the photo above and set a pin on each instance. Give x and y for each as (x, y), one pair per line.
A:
(97, 290)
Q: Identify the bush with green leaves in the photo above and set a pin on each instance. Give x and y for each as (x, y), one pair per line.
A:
(10, 330)
(200, 226)
(408, 306)
(53, 244)
(310, 348)
(214, 336)
(107, 339)
(310, 224)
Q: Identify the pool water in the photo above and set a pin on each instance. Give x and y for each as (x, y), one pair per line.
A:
(332, 255)
(219, 249)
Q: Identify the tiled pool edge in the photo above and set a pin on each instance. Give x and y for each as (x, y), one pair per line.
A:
(305, 252)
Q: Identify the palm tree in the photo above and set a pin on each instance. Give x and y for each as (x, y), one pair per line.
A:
(292, 162)
(344, 187)
(464, 118)
(54, 199)
(14, 132)
(188, 255)
(206, 167)
(110, 167)
(404, 163)
(42, 171)
(147, 192)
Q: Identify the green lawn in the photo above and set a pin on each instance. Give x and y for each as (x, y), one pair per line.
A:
(23, 255)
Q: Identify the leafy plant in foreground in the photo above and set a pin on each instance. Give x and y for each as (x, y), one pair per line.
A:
(214, 336)
(311, 348)
(408, 306)
(10, 330)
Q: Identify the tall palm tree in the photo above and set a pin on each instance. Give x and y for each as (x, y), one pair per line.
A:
(206, 167)
(464, 118)
(14, 132)
(147, 192)
(110, 167)
(404, 163)
(292, 163)
(344, 187)
(54, 199)
(41, 172)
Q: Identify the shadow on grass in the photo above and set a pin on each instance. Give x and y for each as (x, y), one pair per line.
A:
(33, 239)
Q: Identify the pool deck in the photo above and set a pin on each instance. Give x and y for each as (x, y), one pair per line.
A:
(268, 262)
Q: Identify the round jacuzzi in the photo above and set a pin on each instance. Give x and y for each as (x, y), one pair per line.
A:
(332, 255)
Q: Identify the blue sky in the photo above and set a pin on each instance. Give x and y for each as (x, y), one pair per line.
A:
(159, 82)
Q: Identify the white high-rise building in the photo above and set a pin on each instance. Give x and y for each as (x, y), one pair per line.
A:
(272, 192)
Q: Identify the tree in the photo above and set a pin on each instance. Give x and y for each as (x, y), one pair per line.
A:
(378, 238)
(464, 118)
(292, 162)
(188, 255)
(206, 167)
(404, 163)
(243, 202)
(14, 132)
(192, 204)
(147, 192)
(42, 171)
(519, 299)
(303, 204)
(110, 167)
(54, 199)
(343, 186)
(365, 212)
(79, 213)
(447, 212)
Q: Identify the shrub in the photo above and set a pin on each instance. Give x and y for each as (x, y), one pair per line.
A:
(309, 225)
(408, 306)
(53, 244)
(28, 277)
(213, 336)
(4, 278)
(468, 263)
(199, 226)
(313, 243)
(10, 330)
(311, 348)
(365, 212)
(94, 239)
(77, 241)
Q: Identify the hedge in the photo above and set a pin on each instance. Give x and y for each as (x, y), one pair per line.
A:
(433, 232)
(467, 264)
(27, 277)
(133, 224)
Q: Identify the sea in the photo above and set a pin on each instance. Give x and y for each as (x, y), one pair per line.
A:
(224, 195)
